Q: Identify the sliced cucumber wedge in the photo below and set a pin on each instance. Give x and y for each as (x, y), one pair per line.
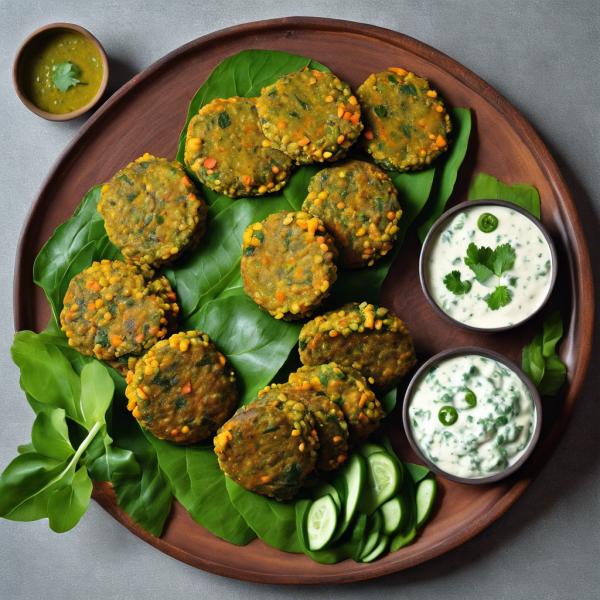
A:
(394, 514)
(322, 489)
(379, 549)
(403, 539)
(322, 521)
(366, 449)
(425, 497)
(370, 544)
(384, 478)
(375, 522)
(349, 481)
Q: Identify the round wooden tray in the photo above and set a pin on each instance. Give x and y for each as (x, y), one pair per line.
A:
(147, 115)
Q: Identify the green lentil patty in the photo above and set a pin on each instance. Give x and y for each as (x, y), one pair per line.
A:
(152, 212)
(332, 428)
(368, 338)
(183, 389)
(310, 115)
(269, 446)
(406, 123)
(348, 389)
(287, 264)
(358, 205)
(226, 148)
(114, 311)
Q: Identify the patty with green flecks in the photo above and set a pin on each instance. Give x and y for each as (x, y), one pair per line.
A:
(152, 211)
(332, 428)
(114, 312)
(227, 150)
(269, 446)
(183, 389)
(288, 264)
(310, 115)
(349, 390)
(368, 338)
(406, 122)
(358, 205)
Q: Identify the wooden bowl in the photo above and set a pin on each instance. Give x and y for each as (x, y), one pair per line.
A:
(434, 360)
(17, 83)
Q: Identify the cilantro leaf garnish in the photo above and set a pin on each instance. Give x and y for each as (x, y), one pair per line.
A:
(65, 75)
(480, 261)
(505, 259)
(501, 296)
(453, 283)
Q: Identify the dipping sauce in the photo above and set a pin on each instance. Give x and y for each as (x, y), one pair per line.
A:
(471, 416)
(42, 57)
(525, 284)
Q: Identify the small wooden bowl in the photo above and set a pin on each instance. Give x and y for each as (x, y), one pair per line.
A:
(28, 103)
(434, 360)
(461, 207)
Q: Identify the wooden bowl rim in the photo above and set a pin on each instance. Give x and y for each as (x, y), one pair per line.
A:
(28, 103)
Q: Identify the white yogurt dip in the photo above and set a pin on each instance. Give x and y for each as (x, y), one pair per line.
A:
(471, 416)
(527, 281)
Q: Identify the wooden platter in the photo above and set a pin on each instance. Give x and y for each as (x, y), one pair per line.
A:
(147, 115)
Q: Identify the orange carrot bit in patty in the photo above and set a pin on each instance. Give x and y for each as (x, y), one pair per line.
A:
(187, 388)
(210, 163)
(369, 134)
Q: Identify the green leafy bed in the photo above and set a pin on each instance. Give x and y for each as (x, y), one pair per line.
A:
(82, 430)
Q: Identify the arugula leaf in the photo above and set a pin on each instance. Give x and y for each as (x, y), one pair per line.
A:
(480, 261)
(504, 259)
(486, 187)
(453, 283)
(553, 331)
(555, 373)
(50, 435)
(534, 364)
(501, 296)
(64, 75)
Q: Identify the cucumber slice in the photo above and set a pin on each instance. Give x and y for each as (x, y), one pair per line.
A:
(403, 539)
(375, 522)
(322, 489)
(357, 540)
(370, 545)
(379, 549)
(384, 478)
(322, 520)
(349, 482)
(425, 498)
(394, 515)
(366, 449)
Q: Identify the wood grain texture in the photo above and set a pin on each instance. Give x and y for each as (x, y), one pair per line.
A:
(147, 115)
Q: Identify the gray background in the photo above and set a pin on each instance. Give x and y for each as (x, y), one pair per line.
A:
(543, 56)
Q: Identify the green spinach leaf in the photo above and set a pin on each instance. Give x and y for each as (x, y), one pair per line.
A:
(486, 187)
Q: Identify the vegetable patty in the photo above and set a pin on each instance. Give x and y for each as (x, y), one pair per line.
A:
(287, 264)
(183, 389)
(406, 123)
(269, 446)
(358, 205)
(368, 338)
(310, 115)
(227, 150)
(152, 212)
(113, 311)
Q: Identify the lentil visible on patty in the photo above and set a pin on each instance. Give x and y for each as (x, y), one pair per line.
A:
(269, 446)
(287, 264)
(406, 123)
(114, 311)
(183, 389)
(152, 211)
(368, 338)
(348, 389)
(227, 150)
(310, 115)
(332, 428)
(358, 205)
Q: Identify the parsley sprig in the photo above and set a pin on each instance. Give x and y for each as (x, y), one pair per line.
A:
(65, 75)
(485, 263)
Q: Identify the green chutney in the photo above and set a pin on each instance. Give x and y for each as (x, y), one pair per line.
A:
(36, 70)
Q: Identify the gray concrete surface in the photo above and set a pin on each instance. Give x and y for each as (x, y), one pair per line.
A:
(543, 56)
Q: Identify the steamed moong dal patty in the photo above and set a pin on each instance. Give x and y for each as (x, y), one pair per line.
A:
(113, 311)
(348, 389)
(269, 446)
(368, 338)
(358, 205)
(332, 428)
(183, 389)
(287, 264)
(152, 212)
(406, 123)
(227, 150)
(310, 115)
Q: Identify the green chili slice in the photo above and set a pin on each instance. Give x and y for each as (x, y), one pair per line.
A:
(487, 223)
(447, 415)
